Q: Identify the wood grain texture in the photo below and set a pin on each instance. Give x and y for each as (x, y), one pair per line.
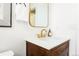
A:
(35, 50)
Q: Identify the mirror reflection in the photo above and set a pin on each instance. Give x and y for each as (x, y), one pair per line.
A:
(38, 14)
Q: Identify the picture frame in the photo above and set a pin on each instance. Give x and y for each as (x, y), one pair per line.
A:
(5, 14)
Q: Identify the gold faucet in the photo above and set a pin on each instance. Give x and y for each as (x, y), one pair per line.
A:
(42, 34)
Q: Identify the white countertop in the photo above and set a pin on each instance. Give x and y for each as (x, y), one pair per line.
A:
(48, 43)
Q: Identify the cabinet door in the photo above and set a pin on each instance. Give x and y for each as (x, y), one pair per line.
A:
(31, 49)
(61, 50)
(65, 52)
(34, 50)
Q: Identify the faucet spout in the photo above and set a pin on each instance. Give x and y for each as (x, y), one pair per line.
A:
(43, 33)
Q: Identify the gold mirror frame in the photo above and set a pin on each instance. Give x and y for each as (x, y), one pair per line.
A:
(33, 11)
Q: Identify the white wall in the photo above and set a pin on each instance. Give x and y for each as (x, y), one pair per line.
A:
(64, 21)
(77, 18)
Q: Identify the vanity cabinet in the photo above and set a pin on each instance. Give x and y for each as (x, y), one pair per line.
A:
(35, 50)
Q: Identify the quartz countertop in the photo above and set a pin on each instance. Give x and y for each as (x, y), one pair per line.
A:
(48, 43)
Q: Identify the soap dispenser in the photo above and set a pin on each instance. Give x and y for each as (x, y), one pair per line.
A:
(49, 33)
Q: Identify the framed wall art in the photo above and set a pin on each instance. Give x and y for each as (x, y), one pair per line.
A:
(5, 15)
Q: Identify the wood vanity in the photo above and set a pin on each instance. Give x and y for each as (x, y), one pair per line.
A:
(56, 49)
